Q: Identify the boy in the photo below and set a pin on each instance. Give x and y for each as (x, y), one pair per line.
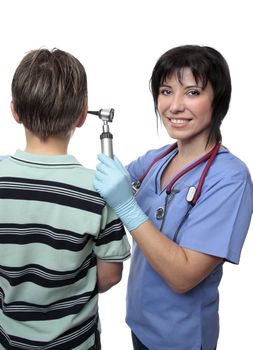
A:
(60, 243)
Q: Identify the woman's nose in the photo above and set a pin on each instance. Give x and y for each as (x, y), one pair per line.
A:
(177, 103)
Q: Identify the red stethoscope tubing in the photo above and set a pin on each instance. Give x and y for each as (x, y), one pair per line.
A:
(209, 157)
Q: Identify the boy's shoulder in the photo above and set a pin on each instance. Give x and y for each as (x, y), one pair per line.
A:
(81, 176)
(62, 169)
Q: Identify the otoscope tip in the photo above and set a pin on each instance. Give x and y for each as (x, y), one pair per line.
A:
(94, 112)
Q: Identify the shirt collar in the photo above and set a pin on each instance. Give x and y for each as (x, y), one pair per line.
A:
(41, 159)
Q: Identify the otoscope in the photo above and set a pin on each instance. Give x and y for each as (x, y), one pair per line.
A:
(106, 137)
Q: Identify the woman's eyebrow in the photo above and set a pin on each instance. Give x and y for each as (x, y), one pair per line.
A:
(164, 85)
(193, 86)
(186, 86)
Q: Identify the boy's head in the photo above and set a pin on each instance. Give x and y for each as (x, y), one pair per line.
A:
(49, 92)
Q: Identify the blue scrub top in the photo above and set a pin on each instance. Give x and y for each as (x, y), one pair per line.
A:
(217, 225)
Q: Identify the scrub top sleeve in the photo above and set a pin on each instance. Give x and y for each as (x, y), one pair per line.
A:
(138, 167)
(219, 222)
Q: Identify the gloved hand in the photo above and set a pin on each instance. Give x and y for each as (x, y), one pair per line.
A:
(113, 183)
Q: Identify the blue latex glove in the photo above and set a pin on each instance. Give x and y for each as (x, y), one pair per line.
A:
(113, 183)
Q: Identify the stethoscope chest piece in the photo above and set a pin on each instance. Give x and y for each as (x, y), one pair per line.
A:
(159, 213)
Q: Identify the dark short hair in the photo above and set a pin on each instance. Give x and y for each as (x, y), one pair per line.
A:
(207, 65)
(49, 92)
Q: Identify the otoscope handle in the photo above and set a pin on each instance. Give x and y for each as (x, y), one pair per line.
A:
(106, 141)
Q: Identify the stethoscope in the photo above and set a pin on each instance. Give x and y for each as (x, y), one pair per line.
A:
(193, 193)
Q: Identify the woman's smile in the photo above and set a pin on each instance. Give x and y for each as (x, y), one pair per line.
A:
(176, 122)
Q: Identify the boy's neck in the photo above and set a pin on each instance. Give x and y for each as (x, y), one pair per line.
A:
(50, 146)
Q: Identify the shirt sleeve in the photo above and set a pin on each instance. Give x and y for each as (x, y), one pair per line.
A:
(112, 243)
(219, 222)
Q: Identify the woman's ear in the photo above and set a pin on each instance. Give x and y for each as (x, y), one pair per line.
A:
(82, 118)
(15, 115)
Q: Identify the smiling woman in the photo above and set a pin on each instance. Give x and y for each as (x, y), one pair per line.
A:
(178, 255)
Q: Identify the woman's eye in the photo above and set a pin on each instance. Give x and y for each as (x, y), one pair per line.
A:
(165, 92)
(194, 93)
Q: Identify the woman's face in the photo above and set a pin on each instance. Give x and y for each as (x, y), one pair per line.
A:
(185, 107)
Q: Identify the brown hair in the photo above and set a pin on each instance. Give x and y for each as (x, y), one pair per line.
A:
(49, 92)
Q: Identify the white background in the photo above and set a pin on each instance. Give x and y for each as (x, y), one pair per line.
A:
(119, 42)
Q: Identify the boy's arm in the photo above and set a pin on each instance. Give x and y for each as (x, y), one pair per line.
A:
(111, 248)
(108, 274)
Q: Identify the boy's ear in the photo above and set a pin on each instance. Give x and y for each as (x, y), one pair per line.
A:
(15, 115)
(82, 118)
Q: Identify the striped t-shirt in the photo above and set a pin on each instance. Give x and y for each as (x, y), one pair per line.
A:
(53, 226)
